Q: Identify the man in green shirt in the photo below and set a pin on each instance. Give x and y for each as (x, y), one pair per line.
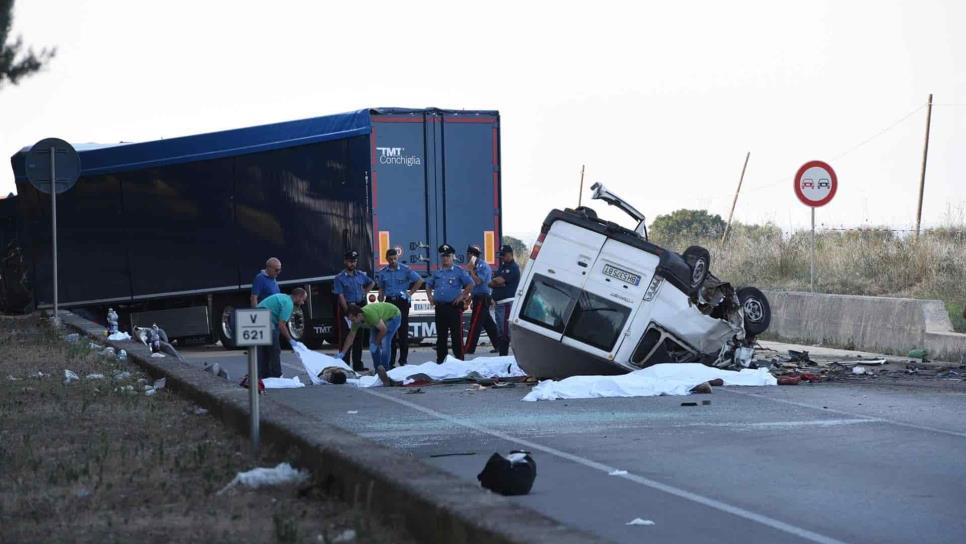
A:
(281, 306)
(384, 320)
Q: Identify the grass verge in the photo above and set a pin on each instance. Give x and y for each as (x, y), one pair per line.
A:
(98, 460)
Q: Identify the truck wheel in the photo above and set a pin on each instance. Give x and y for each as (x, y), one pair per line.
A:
(699, 259)
(225, 326)
(296, 327)
(756, 311)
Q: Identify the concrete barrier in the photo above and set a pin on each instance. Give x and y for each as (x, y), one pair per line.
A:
(433, 506)
(876, 324)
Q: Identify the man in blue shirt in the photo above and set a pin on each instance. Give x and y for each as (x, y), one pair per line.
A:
(504, 284)
(265, 283)
(446, 289)
(481, 274)
(350, 287)
(397, 283)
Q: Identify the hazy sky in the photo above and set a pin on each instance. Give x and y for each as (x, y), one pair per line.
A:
(660, 100)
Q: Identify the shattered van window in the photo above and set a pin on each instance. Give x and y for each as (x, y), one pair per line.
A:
(597, 321)
(548, 303)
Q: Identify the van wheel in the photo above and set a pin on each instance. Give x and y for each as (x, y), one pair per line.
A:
(699, 259)
(225, 326)
(756, 311)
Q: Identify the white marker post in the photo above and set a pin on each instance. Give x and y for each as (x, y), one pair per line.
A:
(253, 328)
(815, 185)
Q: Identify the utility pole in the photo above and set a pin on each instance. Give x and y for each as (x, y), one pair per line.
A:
(580, 195)
(922, 177)
(735, 201)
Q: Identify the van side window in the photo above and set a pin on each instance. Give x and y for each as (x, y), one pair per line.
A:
(597, 321)
(548, 303)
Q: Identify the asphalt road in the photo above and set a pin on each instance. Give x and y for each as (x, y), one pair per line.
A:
(822, 463)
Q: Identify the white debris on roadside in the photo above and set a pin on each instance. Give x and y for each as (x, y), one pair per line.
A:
(109, 352)
(13, 378)
(70, 376)
(858, 370)
(95, 346)
(262, 477)
(617, 473)
(150, 392)
(160, 383)
(352, 411)
(349, 535)
(122, 375)
(199, 411)
(122, 355)
(72, 338)
(639, 521)
(119, 336)
(157, 355)
(94, 376)
(660, 379)
(282, 383)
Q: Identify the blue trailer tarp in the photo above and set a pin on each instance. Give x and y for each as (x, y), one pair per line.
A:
(105, 159)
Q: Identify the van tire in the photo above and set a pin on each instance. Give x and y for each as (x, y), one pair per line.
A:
(699, 260)
(755, 309)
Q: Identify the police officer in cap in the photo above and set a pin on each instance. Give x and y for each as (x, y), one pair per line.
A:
(504, 283)
(481, 274)
(350, 287)
(397, 283)
(447, 288)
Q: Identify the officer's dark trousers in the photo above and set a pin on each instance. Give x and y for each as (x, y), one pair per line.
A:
(355, 352)
(449, 322)
(270, 357)
(400, 343)
(481, 320)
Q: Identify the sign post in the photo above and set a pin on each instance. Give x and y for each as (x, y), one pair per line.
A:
(815, 185)
(53, 166)
(253, 328)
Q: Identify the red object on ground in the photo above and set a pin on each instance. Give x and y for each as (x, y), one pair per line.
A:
(809, 377)
(789, 380)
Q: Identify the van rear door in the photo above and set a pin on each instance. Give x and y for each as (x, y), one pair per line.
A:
(556, 277)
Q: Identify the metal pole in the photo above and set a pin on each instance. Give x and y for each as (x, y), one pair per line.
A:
(580, 195)
(735, 201)
(53, 221)
(253, 396)
(812, 268)
(922, 176)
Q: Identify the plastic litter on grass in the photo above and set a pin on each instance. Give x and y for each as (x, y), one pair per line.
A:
(263, 477)
(639, 521)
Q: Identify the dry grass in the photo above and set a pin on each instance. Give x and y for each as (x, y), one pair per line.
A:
(92, 461)
(857, 262)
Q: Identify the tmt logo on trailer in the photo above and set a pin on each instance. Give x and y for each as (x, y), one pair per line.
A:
(394, 155)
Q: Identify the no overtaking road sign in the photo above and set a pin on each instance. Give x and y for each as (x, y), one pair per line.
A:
(816, 184)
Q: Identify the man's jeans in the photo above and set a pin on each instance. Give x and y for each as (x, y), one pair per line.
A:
(382, 350)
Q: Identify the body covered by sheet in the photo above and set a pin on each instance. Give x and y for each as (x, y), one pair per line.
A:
(661, 379)
(314, 363)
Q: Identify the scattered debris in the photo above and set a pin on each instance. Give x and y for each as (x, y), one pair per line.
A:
(150, 392)
(95, 346)
(157, 355)
(800, 357)
(215, 368)
(510, 475)
(870, 362)
(352, 411)
(70, 376)
(13, 378)
(416, 391)
(689, 404)
(95, 376)
(160, 383)
(617, 473)
(702, 389)
(282, 383)
(119, 336)
(199, 411)
(263, 477)
(108, 352)
(122, 355)
(919, 353)
(858, 370)
(349, 535)
(72, 338)
(639, 521)
(789, 380)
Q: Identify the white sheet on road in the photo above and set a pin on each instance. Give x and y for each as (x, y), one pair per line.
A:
(451, 369)
(282, 383)
(314, 363)
(662, 379)
(119, 336)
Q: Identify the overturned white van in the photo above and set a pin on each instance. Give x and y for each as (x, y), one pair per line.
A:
(598, 298)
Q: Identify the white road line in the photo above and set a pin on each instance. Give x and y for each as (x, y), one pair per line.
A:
(677, 492)
(850, 414)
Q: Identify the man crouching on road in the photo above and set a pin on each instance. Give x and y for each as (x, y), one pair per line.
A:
(281, 306)
(384, 320)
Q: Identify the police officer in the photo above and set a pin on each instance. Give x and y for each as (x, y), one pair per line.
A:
(350, 287)
(504, 283)
(397, 283)
(447, 289)
(481, 274)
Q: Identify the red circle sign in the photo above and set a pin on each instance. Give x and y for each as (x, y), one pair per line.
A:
(815, 183)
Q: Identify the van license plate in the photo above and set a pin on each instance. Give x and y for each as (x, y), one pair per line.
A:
(623, 275)
(421, 307)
